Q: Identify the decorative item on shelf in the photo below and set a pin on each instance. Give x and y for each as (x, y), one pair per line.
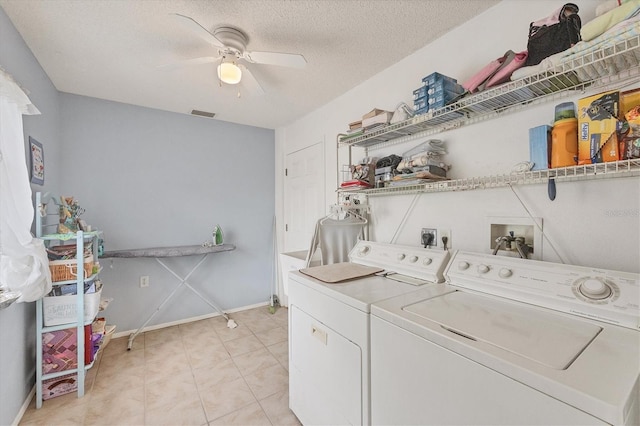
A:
(70, 212)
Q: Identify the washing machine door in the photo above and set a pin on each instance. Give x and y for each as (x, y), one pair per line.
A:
(544, 337)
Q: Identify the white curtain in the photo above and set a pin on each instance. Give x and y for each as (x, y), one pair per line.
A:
(23, 259)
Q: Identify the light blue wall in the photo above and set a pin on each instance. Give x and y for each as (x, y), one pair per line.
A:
(17, 323)
(149, 178)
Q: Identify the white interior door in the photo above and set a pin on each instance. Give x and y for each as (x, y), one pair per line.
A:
(303, 195)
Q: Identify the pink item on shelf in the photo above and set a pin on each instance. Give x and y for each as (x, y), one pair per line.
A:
(496, 72)
(504, 73)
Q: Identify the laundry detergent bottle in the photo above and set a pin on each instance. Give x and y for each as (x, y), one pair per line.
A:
(564, 143)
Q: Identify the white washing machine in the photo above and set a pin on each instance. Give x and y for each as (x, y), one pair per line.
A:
(509, 341)
(329, 330)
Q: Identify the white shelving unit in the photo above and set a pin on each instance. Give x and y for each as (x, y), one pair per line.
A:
(615, 64)
(620, 62)
(626, 168)
(81, 239)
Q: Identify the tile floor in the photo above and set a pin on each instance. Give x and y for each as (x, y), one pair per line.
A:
(200, 373)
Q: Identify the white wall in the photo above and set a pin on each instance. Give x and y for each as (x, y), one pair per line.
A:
(590, 223)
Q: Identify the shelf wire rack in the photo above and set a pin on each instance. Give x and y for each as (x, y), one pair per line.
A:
(615, 169)
(614, 63)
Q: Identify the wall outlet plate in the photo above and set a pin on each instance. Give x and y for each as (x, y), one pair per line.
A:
(429, 237)
(144, 281)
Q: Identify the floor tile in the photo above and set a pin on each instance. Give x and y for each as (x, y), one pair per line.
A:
(167, 391)
(221, 375)
(272, 336)
(224, 399)
(253, 361)
(250, 415)
(226, 334)
(218, 374)
(243, 345)
(277, 409)
(180, 413)
(281, 352)
(268, 381)
(208, 355)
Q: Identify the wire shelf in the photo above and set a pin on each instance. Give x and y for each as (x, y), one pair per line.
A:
(615, 169)
(611, 64)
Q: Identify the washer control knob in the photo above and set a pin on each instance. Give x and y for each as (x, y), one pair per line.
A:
(483, 269)
(364, 250)
(401, 256)
(594, 288)
(463, 265)
(505, 273)
(413, 259)
(427, 261)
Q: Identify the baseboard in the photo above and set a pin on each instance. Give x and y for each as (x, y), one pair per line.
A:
(188, 320)
(24, 407)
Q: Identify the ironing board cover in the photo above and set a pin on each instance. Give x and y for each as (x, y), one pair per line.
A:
(175, 251)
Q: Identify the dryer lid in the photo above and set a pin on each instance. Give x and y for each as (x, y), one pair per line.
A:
(542, 336)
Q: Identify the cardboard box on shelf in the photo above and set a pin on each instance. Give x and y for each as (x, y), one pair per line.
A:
(540, 147)
(383, 118)
(373, 113)
(598, 121)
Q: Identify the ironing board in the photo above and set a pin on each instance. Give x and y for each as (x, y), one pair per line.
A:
(163, 252)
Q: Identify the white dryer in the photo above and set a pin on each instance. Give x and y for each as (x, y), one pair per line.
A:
(509, 341)
(329, 330)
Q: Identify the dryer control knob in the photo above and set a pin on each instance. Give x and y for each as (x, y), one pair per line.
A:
(505, 273)
(463, 265)
(364, 250)
(483, 269)
(594, 288)
(401, 256)
(427, 261)
(413, 259)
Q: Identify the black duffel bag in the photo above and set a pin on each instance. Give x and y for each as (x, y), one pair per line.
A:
(547, 40)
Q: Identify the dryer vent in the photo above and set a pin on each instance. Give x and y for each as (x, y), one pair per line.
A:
(203, 113)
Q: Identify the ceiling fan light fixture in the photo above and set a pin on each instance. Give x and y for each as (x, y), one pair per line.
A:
(229, 72)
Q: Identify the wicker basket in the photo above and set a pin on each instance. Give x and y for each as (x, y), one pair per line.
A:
(65, 270)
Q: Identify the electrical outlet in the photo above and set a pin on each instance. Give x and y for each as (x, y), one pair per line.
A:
(429, 237)
(144, 281)
(445, 233)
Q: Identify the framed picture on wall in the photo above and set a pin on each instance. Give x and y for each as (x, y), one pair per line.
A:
(37, 161)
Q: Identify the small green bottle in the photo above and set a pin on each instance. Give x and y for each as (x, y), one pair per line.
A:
(217, 236)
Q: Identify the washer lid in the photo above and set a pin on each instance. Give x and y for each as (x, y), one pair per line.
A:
(544, 337)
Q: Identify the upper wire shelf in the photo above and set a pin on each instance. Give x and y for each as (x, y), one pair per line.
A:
(611, 64)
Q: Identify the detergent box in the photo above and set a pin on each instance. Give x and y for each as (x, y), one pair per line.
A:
(598, 123)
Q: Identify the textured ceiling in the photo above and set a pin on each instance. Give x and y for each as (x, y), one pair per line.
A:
(112, 49)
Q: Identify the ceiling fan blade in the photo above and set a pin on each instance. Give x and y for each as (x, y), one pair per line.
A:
(193, 26)
(272, 58)
(194, 61)
(250, 82)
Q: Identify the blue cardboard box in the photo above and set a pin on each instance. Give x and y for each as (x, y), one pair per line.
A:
(540, 147)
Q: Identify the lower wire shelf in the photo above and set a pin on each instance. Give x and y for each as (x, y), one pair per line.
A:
(615, 169)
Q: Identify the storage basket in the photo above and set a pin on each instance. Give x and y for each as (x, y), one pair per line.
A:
(65, 270)
(63, 310)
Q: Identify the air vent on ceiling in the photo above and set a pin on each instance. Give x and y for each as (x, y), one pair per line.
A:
(203, 113)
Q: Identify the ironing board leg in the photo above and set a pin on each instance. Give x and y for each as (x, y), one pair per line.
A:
(200, 295)
(164, 302)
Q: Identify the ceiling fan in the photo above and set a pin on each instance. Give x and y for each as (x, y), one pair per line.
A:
(231, 44)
